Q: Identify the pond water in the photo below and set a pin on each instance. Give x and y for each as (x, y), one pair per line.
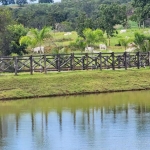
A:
(112, 121)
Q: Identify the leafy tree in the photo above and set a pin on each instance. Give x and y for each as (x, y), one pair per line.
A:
(33, 16)
(125, 41)
(90, 38)
(142, 10)
(142, 42)
(93, 36)
(79, 44)
(15, 32)
(40, 15)
(78, 15)
(110, 15)
(10, 34)
(5, 18)
(66, 26)
(83, 22)
(5, 38)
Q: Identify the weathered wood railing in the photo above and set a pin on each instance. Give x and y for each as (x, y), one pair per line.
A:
(73, 61)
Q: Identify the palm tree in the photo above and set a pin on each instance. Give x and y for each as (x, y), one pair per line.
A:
(93, 36)
(40, 35)
(36, 37)
(125, 41)
(142, 42)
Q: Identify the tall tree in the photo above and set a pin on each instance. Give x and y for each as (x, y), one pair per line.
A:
(16, 32)
(142, 10)
(5, 20)
(10, 34)
(83, 22)
(110, 15)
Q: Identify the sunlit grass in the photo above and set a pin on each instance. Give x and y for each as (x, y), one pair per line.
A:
(74, 82)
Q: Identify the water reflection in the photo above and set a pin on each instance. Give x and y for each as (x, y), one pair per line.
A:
(105, 121)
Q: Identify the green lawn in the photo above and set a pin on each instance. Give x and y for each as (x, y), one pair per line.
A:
(75, 82)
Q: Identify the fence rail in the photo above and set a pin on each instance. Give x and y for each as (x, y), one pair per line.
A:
(73, 61)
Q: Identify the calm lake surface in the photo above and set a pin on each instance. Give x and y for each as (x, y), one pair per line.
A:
(116, 121)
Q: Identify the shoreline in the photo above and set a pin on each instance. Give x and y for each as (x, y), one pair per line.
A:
(71, 94)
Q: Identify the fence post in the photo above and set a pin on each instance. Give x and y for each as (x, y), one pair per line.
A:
(138, 60)
(58, 62)
(149, 59)
(72, 61)
(15, 65)
(100, 57)
(31, 65)
(83, 66)
(86, 61)
(45, 69)
(125, 60)
(95, 67)
(113, 61)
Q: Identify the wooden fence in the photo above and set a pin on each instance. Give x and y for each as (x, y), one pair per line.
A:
(73, 61)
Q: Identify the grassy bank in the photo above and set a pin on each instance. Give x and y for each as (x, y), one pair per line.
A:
(77, 82)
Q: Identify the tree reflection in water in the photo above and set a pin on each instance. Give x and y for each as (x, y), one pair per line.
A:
(1, 132)
(83, 115)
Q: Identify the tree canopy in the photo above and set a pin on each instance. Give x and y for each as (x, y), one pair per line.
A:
(15, 32)
(93, 36)
(110, 15)
(142, 10)
(5, 20)
(142, 42)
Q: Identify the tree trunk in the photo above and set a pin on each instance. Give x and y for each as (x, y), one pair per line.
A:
(143, 24)
(108, 41)
(139, 24)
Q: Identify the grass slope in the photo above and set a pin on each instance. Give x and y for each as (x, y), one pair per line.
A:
(77, 82)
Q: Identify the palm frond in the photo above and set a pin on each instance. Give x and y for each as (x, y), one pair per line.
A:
(25, 40)
(34, 33)
(44, 32)
(35, 37)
